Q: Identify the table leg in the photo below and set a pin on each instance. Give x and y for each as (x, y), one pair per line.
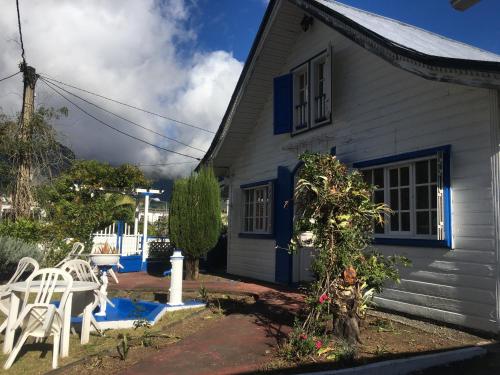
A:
(11, 321)
(66, 329)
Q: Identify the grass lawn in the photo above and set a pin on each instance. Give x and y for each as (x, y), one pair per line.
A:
(102, 350)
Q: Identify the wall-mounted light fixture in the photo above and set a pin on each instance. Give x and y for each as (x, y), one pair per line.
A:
(306, 22)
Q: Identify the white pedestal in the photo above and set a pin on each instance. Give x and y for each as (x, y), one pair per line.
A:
(175, 298)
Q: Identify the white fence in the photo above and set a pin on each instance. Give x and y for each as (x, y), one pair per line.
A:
(126, 243)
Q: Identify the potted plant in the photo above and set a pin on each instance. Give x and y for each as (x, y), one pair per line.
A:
(158, 260)
(105, 255)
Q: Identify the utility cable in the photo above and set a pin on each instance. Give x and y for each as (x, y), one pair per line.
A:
(12, 75)
(52, 80)
(112, 127)
(165, 164)
(126, 119)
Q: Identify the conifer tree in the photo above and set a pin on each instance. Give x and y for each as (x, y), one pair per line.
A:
(195, 217)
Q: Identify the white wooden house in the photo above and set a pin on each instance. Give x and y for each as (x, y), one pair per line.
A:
(417, 111)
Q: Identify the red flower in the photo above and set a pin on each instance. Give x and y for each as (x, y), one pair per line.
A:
(303, 336)
(324, 297)
(319, 344)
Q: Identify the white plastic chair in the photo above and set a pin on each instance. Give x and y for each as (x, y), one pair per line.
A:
(23, 266)
(75, 252)
(40, 318)
(82, 271)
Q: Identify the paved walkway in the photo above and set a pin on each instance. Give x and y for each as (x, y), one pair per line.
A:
(237, 344)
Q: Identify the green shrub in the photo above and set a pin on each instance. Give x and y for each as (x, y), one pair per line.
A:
(11, 251)
(54, 252)
(30, 231)
(336, 206)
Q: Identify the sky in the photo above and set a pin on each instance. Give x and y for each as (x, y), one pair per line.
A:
(180, 58)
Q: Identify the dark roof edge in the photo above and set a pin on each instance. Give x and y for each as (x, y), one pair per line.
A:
(439, 61)
(312, 7)
(251, 54)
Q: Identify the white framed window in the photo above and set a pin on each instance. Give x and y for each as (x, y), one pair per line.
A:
(321, 88)
(414, 191)
(301, 98)
(257, 209)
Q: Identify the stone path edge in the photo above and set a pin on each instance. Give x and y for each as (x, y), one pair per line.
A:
(408, 365)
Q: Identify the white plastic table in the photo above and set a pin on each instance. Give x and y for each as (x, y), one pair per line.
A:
(20, 287)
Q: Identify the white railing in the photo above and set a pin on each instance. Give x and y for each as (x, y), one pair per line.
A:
(128, 243)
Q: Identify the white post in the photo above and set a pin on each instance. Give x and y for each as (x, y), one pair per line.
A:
(136, 222)
(145, 249)
(175, 298)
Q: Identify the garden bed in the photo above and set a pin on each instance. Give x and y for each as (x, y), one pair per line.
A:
(384, 336)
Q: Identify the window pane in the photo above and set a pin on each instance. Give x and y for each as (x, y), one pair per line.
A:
(423, 222)
(394, 199)
(404, 176)
(378, 196)
(393, 177)
(433, 196)
(422, 197)
(434, 222)
(433, 170)
(395, 222)
(421, 172)
(378, 177)
(405, 221)
(367, 176)
(405, 198)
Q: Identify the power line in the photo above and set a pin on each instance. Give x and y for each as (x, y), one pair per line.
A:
(52, 80)
(12, 75)
(165, 164)
(126, 119)
(112, 127)
(20, 32)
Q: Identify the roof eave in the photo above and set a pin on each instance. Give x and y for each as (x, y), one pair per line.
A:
(250, 59)
(462, 71)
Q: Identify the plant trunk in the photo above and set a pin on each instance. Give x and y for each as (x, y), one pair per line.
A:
(347, 328)
(192, 268)
(23, 197)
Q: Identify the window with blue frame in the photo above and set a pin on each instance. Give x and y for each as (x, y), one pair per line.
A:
(257, 209)
(302, 98)
(416, 186)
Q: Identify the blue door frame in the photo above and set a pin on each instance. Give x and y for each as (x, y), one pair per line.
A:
(284, 221)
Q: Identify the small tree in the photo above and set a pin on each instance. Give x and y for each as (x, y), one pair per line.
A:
(336, 205)
(195, 217)
(77, 212)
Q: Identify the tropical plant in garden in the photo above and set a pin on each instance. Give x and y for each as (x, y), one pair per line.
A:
(195, 217)
(335, 205)
(88, 197)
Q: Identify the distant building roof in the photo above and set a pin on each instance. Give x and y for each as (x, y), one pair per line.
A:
(411, 37)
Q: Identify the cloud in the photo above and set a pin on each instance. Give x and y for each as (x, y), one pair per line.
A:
(140, 52)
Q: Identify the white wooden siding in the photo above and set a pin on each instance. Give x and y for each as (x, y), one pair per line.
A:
(379, 110)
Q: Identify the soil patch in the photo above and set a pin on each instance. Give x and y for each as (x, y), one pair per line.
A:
(382, 339)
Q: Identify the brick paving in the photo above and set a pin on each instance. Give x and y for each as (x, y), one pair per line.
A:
(240, 343)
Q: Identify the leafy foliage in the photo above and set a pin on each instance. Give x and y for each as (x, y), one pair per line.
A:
(195, 216)
(27, 230)
(12, 250)
(32, 152)
(88, 197)
(335, 205)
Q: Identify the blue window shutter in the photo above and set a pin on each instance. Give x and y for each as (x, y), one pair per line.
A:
(283, 225)
(283, 104)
